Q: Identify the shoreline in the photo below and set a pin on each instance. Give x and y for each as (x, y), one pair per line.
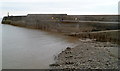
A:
(76, 56)
(89, 54)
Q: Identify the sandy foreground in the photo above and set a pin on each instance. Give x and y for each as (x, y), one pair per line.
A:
(88, 54)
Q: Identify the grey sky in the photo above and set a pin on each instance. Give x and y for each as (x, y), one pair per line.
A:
(23, 7)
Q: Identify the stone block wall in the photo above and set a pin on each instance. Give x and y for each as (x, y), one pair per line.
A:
(108, 18)
(55, 22)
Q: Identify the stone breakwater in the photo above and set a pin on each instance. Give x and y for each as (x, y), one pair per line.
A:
(65, 23)
(88, 55)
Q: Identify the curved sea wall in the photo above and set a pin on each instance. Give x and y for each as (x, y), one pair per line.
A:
(64, 22)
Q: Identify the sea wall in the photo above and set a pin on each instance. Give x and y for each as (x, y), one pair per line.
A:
(109, 35)
(44, 21)
(15, 20)
(65, 23)
(107, 18)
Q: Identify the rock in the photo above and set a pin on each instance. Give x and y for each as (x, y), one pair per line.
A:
(107, 64)
(92, 52)
(69, 56)
(69, 62)
(90, 60)
(98, 60)
(86, 49)
(54, 64)
(67, 52)
(68, 48)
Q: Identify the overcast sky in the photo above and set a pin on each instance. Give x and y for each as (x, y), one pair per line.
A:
(74, 7)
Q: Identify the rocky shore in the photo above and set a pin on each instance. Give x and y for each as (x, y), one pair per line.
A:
(88, 54)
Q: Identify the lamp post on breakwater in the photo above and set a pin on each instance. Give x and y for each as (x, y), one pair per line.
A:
(8, 14)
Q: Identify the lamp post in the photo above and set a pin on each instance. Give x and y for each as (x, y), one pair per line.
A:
(8, 14)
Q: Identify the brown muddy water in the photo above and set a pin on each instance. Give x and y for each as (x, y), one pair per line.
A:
(24, 48)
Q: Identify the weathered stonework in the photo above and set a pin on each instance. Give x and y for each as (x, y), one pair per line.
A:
(65, 23)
